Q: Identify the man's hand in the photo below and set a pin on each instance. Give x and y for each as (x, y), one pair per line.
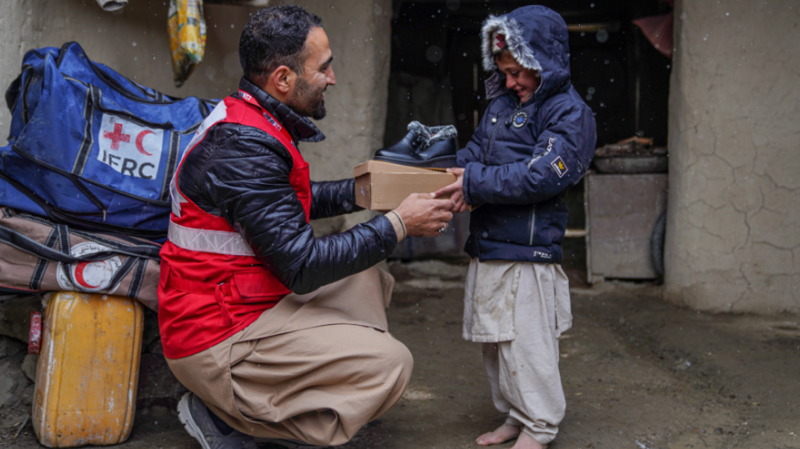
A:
(424, 216)
(456, 190)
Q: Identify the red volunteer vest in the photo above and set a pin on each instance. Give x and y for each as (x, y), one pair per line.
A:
(212, 285)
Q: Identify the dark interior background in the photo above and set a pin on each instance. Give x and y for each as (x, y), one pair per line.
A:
(437, 78)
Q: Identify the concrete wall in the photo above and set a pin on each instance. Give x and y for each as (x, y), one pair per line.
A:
(733, 235)
(136, 44)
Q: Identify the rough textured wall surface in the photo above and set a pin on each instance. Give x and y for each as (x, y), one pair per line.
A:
(136, 44)
(15, 26)
(733, 238)
(359, 33)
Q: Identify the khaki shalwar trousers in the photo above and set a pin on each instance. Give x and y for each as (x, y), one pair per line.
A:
(315, 368)
(518, 310)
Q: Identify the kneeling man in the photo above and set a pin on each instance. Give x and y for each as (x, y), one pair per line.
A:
(276, 333)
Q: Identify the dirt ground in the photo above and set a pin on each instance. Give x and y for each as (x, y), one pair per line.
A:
(637, 372)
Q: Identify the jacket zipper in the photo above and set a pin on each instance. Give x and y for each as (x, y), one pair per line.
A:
(491, 141)
(533, 224)
(486, 159)
(491, 138)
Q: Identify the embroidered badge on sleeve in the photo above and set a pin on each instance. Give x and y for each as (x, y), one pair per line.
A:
(559, 166)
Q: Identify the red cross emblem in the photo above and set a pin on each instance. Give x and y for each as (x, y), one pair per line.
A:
(117, 136)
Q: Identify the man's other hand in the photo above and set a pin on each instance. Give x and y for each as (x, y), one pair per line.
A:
(425, 216)
(455, 190)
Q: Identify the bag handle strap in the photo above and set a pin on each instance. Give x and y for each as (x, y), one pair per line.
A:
(70, 176)
(138, 279)
(116, 278)
(97, 101)
(137, 256)
(24, 243)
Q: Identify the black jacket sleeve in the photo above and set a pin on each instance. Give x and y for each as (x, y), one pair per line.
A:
(242, 174)
(331, 198)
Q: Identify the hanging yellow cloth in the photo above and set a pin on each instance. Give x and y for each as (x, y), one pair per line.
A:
(187, 37)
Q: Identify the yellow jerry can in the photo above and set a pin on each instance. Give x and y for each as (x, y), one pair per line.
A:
(88, 370)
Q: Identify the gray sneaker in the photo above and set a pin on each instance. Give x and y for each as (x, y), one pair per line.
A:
(195, 418)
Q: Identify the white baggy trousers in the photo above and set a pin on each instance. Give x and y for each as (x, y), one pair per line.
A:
(518, 310)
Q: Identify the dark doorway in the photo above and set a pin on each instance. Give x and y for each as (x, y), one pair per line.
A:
(436, 76)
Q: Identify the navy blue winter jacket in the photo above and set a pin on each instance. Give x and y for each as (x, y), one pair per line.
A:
(523, 157)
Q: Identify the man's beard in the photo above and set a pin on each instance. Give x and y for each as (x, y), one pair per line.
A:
(307, 101)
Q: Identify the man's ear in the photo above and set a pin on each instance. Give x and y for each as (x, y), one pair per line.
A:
(282, 79)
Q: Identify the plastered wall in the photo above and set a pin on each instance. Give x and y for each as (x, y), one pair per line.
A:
(733, 232)
(136, 44)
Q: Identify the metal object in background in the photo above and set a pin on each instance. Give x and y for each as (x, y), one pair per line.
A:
(621, 211)
(632, 155)
(575, 234)
(631, 164)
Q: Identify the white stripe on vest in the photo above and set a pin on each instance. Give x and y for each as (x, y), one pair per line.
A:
(218, 114)
(208, 241)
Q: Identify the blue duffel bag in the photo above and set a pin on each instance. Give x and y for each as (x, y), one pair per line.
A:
(90, 148)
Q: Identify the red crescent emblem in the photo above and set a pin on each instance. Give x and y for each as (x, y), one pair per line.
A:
(140, 139)
(79, 273)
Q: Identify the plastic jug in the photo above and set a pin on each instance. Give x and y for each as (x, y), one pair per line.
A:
(88, 370)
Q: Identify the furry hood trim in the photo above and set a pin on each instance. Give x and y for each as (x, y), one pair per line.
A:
(538, 39)
(515, 41)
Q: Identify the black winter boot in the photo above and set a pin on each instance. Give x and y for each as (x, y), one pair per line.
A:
(423, 146)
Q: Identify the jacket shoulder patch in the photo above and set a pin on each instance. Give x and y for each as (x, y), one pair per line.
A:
(559, 167)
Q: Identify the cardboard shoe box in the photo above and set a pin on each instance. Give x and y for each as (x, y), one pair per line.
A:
(383, 185)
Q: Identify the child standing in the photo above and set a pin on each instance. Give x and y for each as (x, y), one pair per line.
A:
(535, 140)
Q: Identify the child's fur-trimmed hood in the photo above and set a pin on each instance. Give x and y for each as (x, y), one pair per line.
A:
(537, 38)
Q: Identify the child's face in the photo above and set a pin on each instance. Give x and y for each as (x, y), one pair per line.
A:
(522, 81)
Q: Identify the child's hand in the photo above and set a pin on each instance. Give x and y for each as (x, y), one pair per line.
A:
(455, 190)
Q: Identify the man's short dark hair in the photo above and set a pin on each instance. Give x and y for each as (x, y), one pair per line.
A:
(274, 37)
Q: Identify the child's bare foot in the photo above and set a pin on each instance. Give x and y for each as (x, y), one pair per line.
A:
(526, 441)
(499, 436)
